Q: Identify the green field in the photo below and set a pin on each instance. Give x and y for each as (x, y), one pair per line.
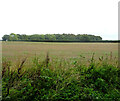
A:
(42, 71)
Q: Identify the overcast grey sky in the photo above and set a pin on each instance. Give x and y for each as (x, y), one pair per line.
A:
(97, 17)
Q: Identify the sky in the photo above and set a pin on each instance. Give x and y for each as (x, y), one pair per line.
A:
(96, 17)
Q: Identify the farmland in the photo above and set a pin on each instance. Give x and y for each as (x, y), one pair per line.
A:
(13, 50)
(60, 71)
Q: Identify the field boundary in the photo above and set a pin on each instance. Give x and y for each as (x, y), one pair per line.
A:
(70, 41)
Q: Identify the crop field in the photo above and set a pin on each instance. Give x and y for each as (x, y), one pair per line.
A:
(15, 50)
(43, 71)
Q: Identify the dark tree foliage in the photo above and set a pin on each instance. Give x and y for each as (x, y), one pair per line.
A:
(5, 37)
(51, 37)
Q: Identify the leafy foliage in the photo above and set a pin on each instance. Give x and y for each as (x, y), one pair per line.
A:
(51, 37)
(48, 81)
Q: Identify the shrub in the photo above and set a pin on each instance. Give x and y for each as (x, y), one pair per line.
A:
(67, 81)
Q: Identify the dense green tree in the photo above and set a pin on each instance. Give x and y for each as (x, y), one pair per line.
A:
(51, 37)
(85, 38)
(13, 37)
(5, 37)
(24, 37)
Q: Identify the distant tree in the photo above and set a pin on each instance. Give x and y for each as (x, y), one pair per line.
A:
(24, 37)
(98, 38)
(59, 37)
(85, 38)
(5, 37)
(42, 37)
(19, 36)
(52, 37)
(36, 37)
(13, 37)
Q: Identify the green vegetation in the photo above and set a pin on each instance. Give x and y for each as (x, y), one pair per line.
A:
(56, 80)
(70, 71)
(52, 37)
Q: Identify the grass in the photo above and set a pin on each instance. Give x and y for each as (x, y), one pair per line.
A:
(74, 76)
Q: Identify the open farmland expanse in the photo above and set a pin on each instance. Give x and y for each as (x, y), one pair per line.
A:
(60, 71)
(13, 50)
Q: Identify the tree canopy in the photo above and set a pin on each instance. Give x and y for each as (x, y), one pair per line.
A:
(51, 37)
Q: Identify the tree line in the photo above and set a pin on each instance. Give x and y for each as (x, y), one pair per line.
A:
(51, 37)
